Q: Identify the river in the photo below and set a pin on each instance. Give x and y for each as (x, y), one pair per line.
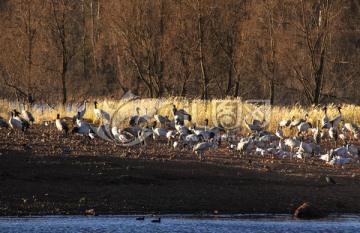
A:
(180, 223)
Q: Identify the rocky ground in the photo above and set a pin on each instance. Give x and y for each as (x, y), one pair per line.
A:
(44, 172)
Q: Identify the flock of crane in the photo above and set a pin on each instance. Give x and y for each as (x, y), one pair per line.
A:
(304, 141)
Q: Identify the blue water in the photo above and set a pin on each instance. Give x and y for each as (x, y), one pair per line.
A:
(279, 223)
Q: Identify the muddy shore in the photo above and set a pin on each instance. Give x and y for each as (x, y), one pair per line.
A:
(52, 174)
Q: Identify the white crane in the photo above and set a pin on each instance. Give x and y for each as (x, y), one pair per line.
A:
(335, 121)
(61, 125)
(292, 143)
(284, 123)
(170, 135)
(81, 110)
(297, 122)
(192, 139)
(25, 123)
(143, 134)
(101, 114)
(180, 115)
(164, 120)
(325, 119)
(83, 127)
(137, 119)
(15, 122)
(118, 135)
(252, 127)
(353, 128)
(352, 149)
(201, 147)
(305, 148)
(27, 116)
(158, 132)
(317, 134)
(245, 145)
(279, 133)
(304, 127)
(333, 133)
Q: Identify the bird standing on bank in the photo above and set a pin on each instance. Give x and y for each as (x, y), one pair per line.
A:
(317, 134)
(101, 114)
(61, 125)
(15, 122)
(180, 115)
(27, 116)
(325, 119)
(81, 112)
(200, 148)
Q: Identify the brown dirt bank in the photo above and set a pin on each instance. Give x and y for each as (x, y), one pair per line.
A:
(111, 185)
(69, 176)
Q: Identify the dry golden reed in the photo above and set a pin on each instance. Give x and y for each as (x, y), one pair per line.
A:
(122, 110)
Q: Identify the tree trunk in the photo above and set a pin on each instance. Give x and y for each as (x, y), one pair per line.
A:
(93, 36)
(229, 81)
(272, 91)
(236, 91)
(204, 78)
(64, 69)
(318, 79)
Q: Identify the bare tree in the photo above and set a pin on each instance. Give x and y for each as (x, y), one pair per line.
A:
(269, 17)
(289, 51)
(227, 30)
(64, 24)
(315, 24)
(22, 58)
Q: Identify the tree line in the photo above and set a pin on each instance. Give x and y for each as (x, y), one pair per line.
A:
(291, 51)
